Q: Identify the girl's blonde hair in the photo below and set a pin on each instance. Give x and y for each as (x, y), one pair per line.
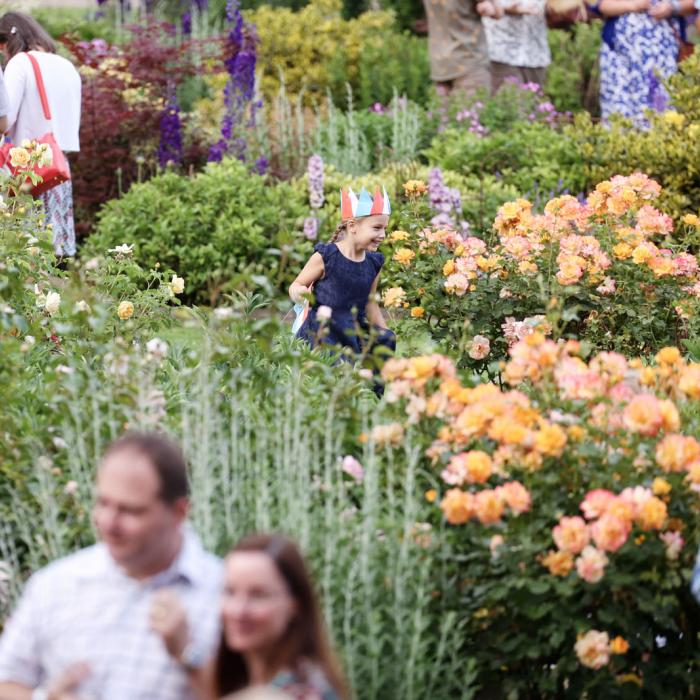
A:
(340, 232)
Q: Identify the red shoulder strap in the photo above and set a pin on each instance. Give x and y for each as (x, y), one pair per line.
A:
(40, 86)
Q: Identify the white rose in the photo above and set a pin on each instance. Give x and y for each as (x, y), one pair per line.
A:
(53, 303)
(177, 285)
(157, 348)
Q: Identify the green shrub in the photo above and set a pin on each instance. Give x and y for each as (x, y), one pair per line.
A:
(668, 151)
(572, 77)
(532, 157)
(315, 50)
(222, 229)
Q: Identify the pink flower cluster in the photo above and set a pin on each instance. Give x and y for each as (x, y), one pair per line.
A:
(610, 521)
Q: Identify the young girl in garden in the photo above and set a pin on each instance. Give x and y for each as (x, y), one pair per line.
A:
(343, 275)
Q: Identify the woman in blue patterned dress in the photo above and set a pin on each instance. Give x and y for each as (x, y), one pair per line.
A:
(639, 51)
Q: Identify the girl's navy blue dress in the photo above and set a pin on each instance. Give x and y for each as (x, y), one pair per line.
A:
(345, 288)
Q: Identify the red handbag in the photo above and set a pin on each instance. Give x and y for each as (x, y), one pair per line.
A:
(58, 171)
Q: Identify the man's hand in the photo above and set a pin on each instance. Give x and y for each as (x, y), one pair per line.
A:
(168, 618)
(62, 687)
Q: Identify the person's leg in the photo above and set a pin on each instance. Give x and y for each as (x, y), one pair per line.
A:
(534, 75)
(500, 72)
(477, 75)
(58, 208)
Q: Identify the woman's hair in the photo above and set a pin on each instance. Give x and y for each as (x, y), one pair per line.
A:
(339, 232)
(21, 32)
(304, 640)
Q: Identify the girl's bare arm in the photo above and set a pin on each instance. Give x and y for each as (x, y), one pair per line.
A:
(312, 272)
(373, 310)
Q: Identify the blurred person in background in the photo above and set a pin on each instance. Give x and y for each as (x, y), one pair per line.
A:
(457, 46)
(640, 47)
(92, 625)
(273, 636)
(516, 34)
(19, 34)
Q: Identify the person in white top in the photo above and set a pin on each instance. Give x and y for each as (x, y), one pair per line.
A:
(97, 624)
(20, 33)
(516, 35)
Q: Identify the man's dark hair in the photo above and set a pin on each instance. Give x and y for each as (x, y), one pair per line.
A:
(165, 456)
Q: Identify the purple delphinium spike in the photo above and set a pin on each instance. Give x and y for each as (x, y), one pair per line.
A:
(170, 150)
(315, 170)
(240, 51)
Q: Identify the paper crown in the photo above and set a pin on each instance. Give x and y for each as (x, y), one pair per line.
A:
(353, 206)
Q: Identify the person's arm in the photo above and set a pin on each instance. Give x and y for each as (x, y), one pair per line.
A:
(168, 619)
(372, 310)
(16, 85)
(60, 689)
(312, 272)
(615, 8)
(671, 8)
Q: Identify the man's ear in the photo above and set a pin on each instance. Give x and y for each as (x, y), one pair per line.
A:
(182, 508)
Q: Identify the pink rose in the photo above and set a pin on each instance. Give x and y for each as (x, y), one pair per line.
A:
(352, 467)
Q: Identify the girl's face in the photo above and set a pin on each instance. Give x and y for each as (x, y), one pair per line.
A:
(368, 232)
(257, 606)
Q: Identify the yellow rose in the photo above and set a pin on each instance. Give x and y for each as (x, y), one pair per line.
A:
(398, 236)
(691, 220)
(550, 440)
(393, 297)
(125, 310)
(19, 157)
(448, 268)
(660, 487)
(622, 251)
(404, 256)
(417, 312)
(668, 356)
(558, 563)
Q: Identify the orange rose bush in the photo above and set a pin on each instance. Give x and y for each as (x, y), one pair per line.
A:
(608, 271)
(569, 498)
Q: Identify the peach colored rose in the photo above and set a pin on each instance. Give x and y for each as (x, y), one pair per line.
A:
(559, 563)
(591, 563)
(571, 534)
(457, 506)
(610, 532)
(593, 649)
(516, 496)
(596, 502)
(488, 506)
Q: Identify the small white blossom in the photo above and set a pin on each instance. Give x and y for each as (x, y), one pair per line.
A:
(157, 348)
(122, 251)
(52, 303)
(324, 313)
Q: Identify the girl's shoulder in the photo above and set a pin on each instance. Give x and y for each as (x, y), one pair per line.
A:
(377, 260)
(326, 249)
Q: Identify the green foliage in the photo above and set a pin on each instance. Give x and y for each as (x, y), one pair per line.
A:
(572, 76)
(222, 229)
(532, 158)
(531, 270)
(523, 619)
(668, 151)
(315, 49)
